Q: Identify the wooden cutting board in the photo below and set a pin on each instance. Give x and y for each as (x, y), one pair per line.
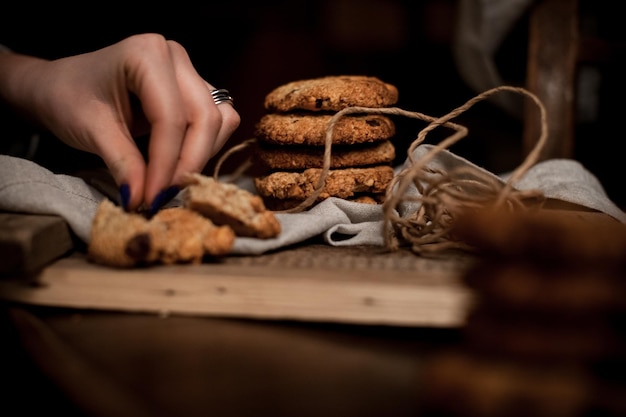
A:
(312, 282)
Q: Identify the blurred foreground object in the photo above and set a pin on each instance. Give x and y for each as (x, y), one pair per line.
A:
(545, 336)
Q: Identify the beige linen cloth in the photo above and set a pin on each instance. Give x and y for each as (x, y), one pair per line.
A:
(29, 188)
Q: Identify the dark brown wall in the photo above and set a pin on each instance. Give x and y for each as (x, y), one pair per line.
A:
(250, 47)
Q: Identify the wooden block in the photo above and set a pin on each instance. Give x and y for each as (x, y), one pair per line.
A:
(551, 75)
(28, 242)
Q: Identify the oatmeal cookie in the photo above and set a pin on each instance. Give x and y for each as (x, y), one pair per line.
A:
(173, 235)
(310, 129)
(331, 93)
(303, 157)
(342, 183)
(278, 204)
(186, 236)
(227, 204)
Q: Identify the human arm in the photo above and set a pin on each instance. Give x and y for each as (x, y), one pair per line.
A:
(100, 101)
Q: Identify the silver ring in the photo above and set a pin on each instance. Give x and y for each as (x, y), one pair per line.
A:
(221, 96)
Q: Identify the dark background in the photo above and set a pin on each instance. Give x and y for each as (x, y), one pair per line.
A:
(251, 47)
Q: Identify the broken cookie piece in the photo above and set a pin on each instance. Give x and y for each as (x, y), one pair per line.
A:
(174, 235)
(186, 236)
(228, 204)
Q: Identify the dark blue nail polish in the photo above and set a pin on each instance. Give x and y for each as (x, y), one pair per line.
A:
(124, 196)
(162, 198)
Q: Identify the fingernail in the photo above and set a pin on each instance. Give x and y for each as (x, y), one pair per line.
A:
(125, 196)
(162, 198)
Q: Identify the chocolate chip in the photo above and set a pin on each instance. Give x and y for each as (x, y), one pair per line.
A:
(138, 248)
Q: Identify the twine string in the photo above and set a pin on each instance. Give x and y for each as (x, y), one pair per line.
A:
(328, 141)
(440, 195)
(428, 229)
(240, 169)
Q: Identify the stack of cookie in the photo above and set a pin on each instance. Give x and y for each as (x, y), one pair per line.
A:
(291, 140)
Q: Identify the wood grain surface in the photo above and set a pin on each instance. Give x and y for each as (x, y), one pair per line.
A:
(314, 282)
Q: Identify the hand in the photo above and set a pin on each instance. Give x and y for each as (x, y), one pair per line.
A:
(100, 101)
